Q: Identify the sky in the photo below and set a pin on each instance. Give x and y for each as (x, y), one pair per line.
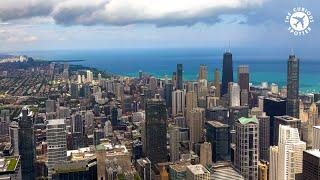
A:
(27, 25)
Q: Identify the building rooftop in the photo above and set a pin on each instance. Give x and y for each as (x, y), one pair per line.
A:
(55, 121)
(180, 167)
(245, 120)
(198, 169)
(316, 127)
(217, 124)
(314, 152)
(287, 118)
(143, 161)
(9, 163)
(224, 171)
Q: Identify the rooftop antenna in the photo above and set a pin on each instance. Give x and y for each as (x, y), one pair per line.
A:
(292, 51)
(229, 46)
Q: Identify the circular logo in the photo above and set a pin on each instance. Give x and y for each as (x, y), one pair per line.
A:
(299, 20)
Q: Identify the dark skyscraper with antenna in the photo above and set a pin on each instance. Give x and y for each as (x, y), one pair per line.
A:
(227, 72)
(293, 86)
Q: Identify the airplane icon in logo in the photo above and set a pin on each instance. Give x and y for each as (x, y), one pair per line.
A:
(299, 20)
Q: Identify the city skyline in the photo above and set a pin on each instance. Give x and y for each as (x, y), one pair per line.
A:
(150, 90)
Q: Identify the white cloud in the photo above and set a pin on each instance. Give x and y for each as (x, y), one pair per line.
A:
(30, 39)
(125, 12)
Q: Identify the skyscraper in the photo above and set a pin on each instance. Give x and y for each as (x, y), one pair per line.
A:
(243, 81)
(273, 167)
(293, 86)
(285, 120)
(234, 94)
(156, 131)
(179, 76)
(243, 77)
(227, 72)
(206, 154)
(178, 102)
(74, 90)
(264, 137)
(203, 72)
(174, 142)
(217, 82)
(316, 137)
(57, 143)
(168, 88)
(195, 122)
(218, 135)
(288, 155)
(311, 164)
(273, 107)
(50, 106)
(14, 137)
(247, 147)
(26, 144)
(191, 100)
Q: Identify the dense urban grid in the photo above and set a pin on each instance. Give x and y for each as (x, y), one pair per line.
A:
(61, 121)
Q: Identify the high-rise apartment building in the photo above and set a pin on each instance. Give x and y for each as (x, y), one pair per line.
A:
(206, 154)
(174, 142)
(243, 77)
(203, 72)
(286, 159)
(293, 86)
(178, 102)
(217, 82)
(50, 106)
(273, 165)
(285, 120)
(247, 147)
(195, 123)
(234, 94)
(191, 100)
(14, 137)
(57, 143)
(316, 137)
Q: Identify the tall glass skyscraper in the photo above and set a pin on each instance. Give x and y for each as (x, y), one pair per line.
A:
(293, 87)
(227, 72)
(156, 131)
(26, 145)
(179, 76)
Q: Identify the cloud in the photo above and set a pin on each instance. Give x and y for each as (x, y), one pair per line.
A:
(30, 39)
(126, 12)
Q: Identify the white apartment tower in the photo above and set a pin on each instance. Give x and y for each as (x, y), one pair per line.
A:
(234, 94)
(288, 163)
(57, 143)
(178, 102)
